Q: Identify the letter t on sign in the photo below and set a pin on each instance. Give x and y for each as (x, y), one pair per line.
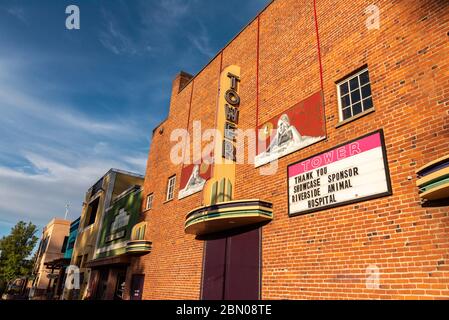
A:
(234, 80)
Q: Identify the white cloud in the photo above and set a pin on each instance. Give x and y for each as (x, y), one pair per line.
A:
(57, 114)
(174, 8)
(201, 41)
(41, 196)
(51, 153)
(139, 162)
(16, 102)
(17, 12)
(165, 12)
(113, 39)
(155, 17)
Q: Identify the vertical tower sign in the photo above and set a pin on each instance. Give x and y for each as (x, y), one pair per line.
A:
(231, 116)
(221, 185)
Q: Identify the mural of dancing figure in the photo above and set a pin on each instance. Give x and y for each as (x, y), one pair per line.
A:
(286, 135)
(194, 184)
(285, 140)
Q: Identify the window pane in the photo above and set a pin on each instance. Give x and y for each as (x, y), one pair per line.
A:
(149, 201)
(92, 212)
(355, 96)
(64, 244)
(344, 88)
(354, 83)
(347, 113)
(356, 108)
(367, 103)
(170, 188)
(345, 101)
(364, 78)
(366, 91)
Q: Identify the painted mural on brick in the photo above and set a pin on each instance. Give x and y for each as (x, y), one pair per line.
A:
(292, 130)
(193, 179)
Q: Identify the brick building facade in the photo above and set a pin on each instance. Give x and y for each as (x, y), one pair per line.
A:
(290, 51)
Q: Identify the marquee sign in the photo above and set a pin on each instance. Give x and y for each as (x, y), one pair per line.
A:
(352, 172)
(292, 130)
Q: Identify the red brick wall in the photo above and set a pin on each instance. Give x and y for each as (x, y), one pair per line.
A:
(323, 254)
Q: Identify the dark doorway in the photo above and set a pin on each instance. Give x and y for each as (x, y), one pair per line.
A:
(102, 284)
(136, 286)
(120, 285)
(232, 266)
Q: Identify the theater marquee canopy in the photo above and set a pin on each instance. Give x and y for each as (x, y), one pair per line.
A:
(352, 172)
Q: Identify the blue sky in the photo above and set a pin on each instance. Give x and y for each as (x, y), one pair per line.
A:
(75, 103)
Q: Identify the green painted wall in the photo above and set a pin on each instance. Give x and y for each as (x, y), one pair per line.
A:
(115, 229)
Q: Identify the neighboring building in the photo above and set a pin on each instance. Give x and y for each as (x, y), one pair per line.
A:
(74, 226)
(98, 198)
(65, 262)
(62, 263)
(349, 112)
(121, 237)
(52, 247)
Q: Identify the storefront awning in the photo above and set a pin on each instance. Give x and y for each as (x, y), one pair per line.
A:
(57, 263)
(119, 260)
(228, 215)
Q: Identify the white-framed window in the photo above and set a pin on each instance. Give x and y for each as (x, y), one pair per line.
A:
(171, 188)
(354, 95)
(149, 204)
